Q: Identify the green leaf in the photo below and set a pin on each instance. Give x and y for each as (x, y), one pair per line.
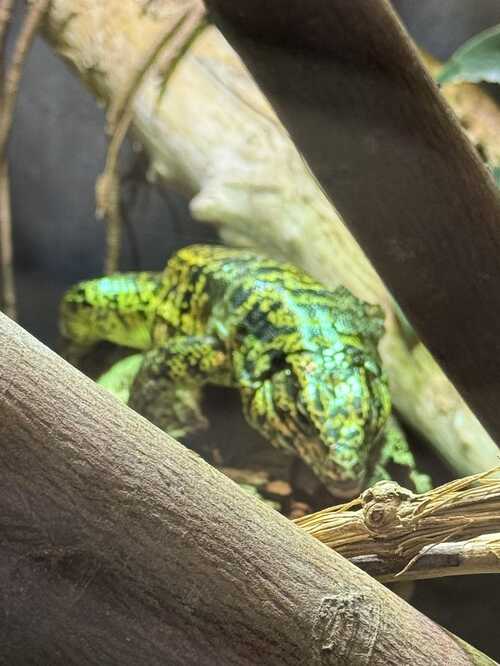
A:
(476, 60)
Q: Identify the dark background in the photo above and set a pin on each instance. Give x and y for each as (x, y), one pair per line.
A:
(56, 153)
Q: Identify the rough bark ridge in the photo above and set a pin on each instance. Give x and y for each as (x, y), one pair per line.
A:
(212, 134)
(120, 546)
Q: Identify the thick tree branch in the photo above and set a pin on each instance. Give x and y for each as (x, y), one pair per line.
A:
(213, 135)
(121, 546)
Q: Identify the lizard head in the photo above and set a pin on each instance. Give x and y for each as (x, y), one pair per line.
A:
(330, 412)
(341, 407)
(119, 309)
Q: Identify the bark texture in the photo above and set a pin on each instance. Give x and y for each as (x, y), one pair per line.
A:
(212, 134)
(120, 546)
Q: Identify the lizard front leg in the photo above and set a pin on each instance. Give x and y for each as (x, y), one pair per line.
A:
(167, 387)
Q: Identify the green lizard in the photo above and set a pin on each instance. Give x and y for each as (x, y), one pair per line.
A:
(304, 358)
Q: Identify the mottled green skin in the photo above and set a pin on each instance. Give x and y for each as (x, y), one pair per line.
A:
(304, 358)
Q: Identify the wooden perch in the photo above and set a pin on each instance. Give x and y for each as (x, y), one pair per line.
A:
(395, 534)
(121, 546)
(212, 134)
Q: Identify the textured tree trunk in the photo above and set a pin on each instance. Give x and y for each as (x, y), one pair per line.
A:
(212, 134)
(120, 546)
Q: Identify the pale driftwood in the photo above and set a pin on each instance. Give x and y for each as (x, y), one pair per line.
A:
(395, 534)
(213, 135)
(120, 546)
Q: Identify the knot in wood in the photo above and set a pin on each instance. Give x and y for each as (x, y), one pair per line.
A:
(381, 505)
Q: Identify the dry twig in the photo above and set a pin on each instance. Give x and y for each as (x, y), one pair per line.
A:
(8, 298)
(10, 87)
(480, 555)
(397, 535)
(14, 71)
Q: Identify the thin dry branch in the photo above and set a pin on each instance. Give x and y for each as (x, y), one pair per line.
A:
(5, 16)
(6, 250)
(13, 73)
(404, 536)
(8, 95)
(6, 254)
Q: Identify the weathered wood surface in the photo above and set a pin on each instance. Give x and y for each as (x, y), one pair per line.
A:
(395, 534)
(213, 135)
(120, 546)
